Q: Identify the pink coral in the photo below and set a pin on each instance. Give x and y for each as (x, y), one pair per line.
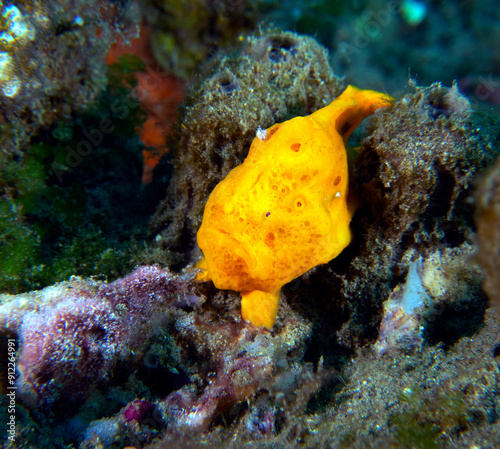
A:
(137, 410)
(73, 341)
(239, 378)
(242, 360)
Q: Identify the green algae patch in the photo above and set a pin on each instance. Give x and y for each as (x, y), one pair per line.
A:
(72, 203)
(426, 418)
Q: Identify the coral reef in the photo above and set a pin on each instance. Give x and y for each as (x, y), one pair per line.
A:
(185, 34)
(414, 172)
(238, 362)
(273, 77)
(60, 172)
(72, 334)
(430, 305)
(488, 230)
(52, 62)
(390, 344)
(433, 399)
(159, 93)
(207, 378)
(242, 379)
(73, 203)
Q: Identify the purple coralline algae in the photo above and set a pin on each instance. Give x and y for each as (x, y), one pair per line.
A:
(137, 410)
(234, 369)
(246, 366)
(235, 364)
(76, 331)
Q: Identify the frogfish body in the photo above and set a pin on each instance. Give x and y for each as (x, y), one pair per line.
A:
(285, 209)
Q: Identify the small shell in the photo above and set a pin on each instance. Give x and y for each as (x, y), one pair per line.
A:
(261, 133)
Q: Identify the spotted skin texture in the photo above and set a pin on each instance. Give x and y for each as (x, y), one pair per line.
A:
(285, 209)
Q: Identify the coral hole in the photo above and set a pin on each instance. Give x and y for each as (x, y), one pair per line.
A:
(442, 101)
(228, 83)
(295, 147)
(282, 48)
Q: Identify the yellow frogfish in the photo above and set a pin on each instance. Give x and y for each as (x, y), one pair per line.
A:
(285, 209)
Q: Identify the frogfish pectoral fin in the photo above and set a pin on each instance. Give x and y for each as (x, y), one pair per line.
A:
(203, 275)
(260, 307)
